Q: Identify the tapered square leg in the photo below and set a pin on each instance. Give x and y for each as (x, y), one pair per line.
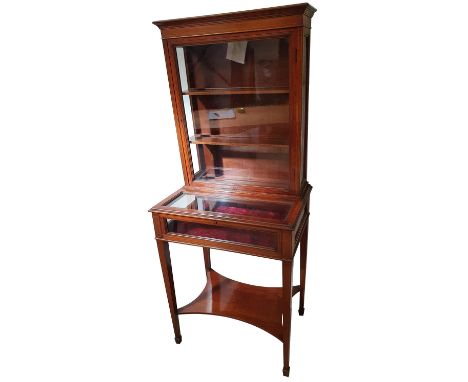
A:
(303, 266)
(207, 259)
(166, 267)
(286, 303)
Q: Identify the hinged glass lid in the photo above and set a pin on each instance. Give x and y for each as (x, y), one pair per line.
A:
(276, 212)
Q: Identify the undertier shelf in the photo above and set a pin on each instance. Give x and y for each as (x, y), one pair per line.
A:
(255, 305)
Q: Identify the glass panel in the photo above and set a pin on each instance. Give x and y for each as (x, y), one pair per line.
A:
(235, 64)
(245, 165)
(236, 101)
(249, 118)
(191, 131)
(182, 69)
(234, 235)
(264, 210)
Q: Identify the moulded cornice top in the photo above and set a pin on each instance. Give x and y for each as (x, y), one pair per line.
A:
(304, 9)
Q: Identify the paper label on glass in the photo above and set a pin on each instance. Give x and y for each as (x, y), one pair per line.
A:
(236, 51)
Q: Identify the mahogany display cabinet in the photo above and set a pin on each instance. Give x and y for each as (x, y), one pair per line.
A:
(239, 89)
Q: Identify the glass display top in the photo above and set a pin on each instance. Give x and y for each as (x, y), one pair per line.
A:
(247, 208)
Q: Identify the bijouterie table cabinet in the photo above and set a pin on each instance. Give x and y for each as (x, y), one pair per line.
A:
(239, 90)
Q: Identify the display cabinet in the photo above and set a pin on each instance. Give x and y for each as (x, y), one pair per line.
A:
(239, 89)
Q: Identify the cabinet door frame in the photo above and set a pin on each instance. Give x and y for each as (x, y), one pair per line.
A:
(295, 36)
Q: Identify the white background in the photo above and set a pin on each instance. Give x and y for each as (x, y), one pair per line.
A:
(87, 145)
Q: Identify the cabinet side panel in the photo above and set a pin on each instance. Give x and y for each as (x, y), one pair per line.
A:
(305, 101)
(178, 109)
(296, 102)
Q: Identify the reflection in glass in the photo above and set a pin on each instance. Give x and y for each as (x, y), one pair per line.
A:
(248, 208)
(236, 64)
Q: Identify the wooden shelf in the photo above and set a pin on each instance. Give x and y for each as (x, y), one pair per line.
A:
(246, 90)
(238, 176)
(230, 140)
(255, 305)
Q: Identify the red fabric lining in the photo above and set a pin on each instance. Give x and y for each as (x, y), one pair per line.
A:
(223, 233)
(248, 212)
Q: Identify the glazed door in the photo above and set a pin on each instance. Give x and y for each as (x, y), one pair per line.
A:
(234, 97)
